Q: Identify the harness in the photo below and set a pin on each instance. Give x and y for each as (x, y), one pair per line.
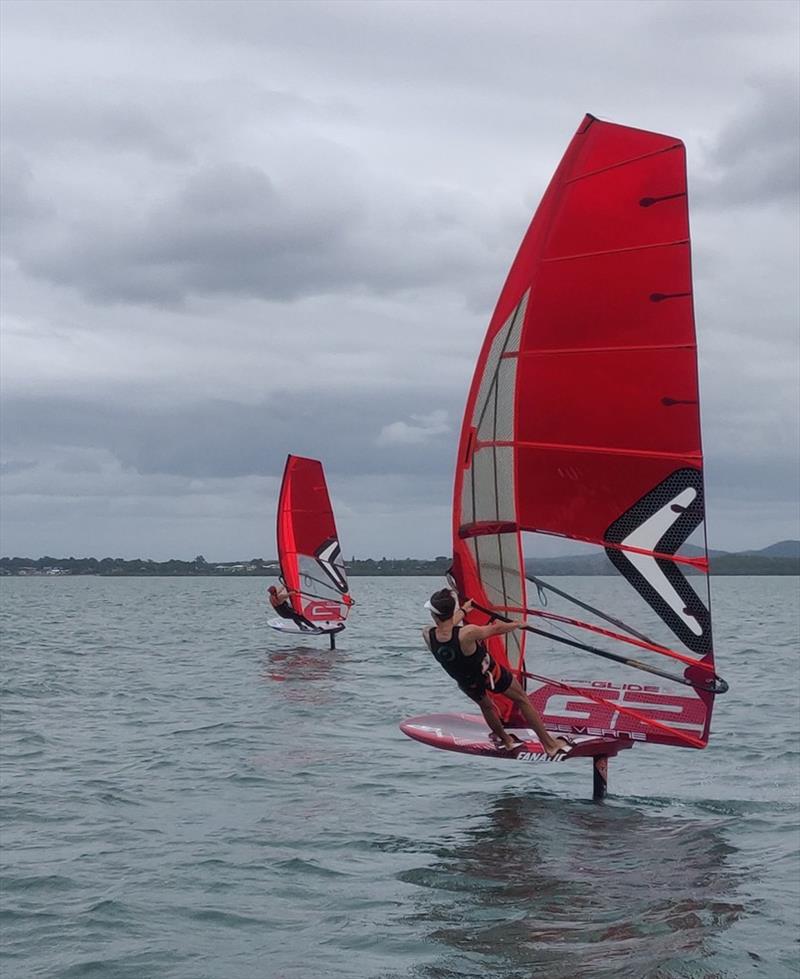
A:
(465, 670)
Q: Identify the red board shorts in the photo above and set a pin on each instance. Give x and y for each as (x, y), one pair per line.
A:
(496, 680)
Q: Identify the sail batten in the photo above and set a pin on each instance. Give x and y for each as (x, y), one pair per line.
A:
(536, 352)
(615, 251)
(605, 449)
(624, 163)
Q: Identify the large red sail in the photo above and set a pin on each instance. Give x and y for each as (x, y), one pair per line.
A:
(308, 544)
(583, 418)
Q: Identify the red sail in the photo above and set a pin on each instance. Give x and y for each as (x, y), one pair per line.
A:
(583, 418)
(308, 545)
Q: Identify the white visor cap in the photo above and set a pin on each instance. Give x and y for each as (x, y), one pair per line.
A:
(432, 608)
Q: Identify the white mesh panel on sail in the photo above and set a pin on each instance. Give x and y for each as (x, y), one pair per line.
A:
(509, 546)
(487, 381)
(506, 340)
(488, 486)
(509, 550)
(504, 404)
(483, 473)
(488, 420)
(314, 581)
(497, 420)
(497, 557)
(504, 481)
(492, 471)
(488, 493)
(491, 569)
(513, 650)
(467, 511)
(516, 324)
(499, 565)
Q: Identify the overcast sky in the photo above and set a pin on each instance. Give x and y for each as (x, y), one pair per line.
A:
(237, 229)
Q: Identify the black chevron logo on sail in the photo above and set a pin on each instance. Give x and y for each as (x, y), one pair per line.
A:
(661, 522)
(328, 555)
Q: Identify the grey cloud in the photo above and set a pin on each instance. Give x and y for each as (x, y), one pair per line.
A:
(113, 513)
(468, 50)
(48, 122)
(20, 203)
(10, 467)
(715, 21)
(215, 439)
(755, 157)
(766, 480)
(230, 229)
(222, 439)
(227, 228)
(508, 49)
(283, 196)
(164, 123)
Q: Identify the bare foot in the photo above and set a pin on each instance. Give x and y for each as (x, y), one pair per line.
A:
(555, 747)
(507, 743)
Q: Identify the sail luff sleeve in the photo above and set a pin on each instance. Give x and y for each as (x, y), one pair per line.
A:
(287, 550)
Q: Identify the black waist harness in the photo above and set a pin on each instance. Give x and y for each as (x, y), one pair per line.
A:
(284, 610)
(465, 670)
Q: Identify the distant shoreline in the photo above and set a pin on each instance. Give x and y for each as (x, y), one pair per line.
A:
(721, 564)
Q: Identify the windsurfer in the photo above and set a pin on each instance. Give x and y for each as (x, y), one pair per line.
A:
(279, 599)
(461, 651)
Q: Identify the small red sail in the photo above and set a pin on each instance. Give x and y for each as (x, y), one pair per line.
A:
(583, 421)
(308, 544)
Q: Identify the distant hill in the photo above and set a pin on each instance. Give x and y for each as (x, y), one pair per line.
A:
(754, 564)
(784, 548)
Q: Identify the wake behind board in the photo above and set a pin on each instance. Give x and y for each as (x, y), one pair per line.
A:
(468, 734)
(290, 627)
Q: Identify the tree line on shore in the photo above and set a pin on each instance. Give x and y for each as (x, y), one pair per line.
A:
(139, 567)
(721, 564)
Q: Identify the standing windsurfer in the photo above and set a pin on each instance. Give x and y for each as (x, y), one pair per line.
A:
(279, 600)
(462, 652)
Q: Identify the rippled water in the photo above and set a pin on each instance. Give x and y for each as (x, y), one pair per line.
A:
(187, 795)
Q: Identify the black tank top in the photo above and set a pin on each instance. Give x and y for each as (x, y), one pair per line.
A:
(463, 669)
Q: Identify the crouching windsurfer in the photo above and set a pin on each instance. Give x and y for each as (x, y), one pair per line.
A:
(279, 600)
(462, 652)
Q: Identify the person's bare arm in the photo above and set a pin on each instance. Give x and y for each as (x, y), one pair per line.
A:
(478, 633)
(461, 611)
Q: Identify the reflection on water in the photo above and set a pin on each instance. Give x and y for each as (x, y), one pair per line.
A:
(570, 890)
(299, 671)
(299, 665)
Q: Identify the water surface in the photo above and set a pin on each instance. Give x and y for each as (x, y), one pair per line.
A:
(186, 795)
